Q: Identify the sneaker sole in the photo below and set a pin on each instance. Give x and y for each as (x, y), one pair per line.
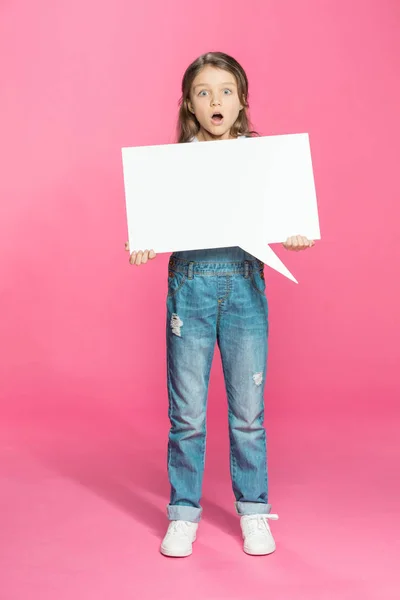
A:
(174, 554)
(260, 553)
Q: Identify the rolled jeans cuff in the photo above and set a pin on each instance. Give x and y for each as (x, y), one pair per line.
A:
(252, 508)
(184, 513)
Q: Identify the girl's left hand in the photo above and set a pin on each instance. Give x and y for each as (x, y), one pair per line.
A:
(297, 243)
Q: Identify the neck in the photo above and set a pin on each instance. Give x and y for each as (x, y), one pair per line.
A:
(205, 136)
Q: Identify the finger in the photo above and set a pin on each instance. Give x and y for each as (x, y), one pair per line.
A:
(139, 258)
(289, 244)
(305, 242)
(145, 257)
(152, 254)
(132, 258)
(308, 243)
(127, 246)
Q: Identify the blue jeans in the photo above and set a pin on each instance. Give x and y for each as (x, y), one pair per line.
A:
(221, 302)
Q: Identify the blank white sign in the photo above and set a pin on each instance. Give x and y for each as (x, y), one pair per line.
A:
(247, 193)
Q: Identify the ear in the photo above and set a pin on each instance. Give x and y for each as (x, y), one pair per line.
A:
(190, 106)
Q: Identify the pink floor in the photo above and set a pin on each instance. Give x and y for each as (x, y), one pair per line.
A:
(82, 512)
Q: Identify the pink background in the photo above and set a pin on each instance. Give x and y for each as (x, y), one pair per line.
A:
(82, 390)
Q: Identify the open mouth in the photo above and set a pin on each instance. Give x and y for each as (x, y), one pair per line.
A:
(217, 118)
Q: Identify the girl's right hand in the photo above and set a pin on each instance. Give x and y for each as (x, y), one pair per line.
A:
(138, 257)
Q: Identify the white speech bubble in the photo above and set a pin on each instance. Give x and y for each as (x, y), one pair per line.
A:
(221, 194)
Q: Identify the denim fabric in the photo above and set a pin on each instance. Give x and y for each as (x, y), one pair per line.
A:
(216, 296)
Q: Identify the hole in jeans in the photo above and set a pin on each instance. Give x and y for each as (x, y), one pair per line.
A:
(176, 325)
(258, 378)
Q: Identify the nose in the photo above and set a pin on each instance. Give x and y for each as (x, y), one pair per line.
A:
(216, 101)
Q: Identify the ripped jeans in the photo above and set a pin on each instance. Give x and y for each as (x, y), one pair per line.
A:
(223, 303)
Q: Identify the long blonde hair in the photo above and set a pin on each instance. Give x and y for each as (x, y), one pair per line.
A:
(188, 125)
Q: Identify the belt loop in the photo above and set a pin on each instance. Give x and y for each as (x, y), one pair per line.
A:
(246, 269)
(190, 270)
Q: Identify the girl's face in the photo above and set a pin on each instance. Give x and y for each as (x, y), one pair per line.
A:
(214, 100)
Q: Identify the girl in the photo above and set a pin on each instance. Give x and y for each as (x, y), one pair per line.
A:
(216, 296)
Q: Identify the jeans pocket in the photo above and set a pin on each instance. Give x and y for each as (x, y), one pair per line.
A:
(176, 281)
(258, 281)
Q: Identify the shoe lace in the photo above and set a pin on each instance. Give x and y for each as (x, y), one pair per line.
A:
(179, 528)
(259, 523)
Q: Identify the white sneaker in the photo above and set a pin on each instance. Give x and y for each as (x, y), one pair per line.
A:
(179, 539)
(257, 535)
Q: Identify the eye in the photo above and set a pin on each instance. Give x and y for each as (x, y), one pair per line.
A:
(203, 93)
(227, 92)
